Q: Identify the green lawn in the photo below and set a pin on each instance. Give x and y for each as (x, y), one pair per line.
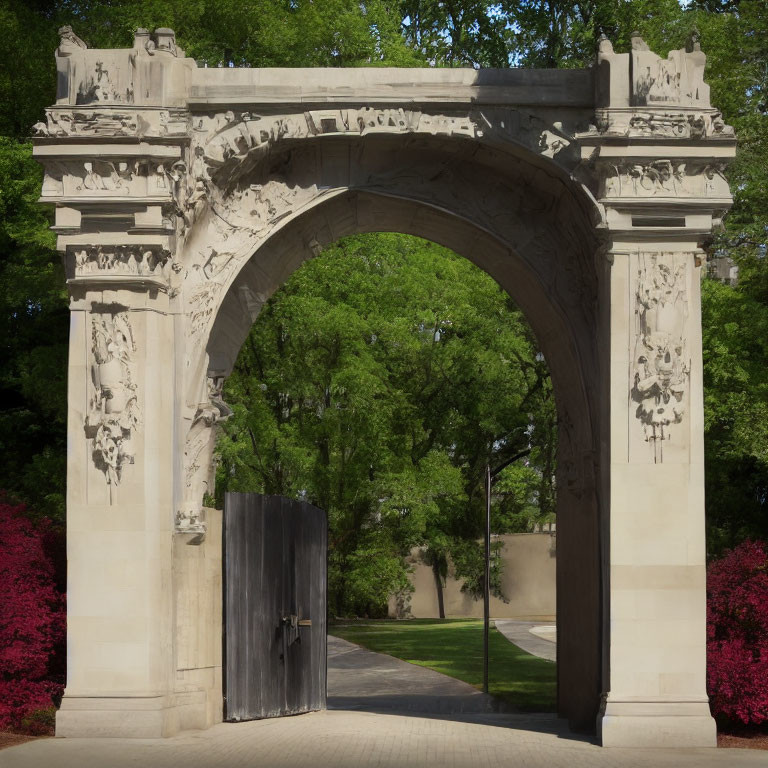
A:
(455, 647)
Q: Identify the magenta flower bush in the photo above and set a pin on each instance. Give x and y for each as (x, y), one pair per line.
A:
(32, 621)
(737, 634)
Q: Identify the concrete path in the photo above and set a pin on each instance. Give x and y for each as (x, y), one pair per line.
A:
(359, 679)
(538, 643)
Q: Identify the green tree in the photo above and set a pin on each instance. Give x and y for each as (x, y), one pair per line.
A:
(33, 297)
(377, 383)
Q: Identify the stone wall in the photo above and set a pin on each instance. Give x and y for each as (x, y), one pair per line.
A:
(527, 582)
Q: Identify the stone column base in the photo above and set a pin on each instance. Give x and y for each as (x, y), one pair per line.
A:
(656, 724)
(133, 717)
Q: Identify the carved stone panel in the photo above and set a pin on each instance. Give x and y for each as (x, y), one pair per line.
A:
(127, 260)
(225, 139)
(199, 459)
(664, 178)
(108, 178)
(661, 365)
(113, 411)
(662, 124)
(678, 79)
(112, 122)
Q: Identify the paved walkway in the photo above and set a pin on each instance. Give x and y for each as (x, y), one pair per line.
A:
(361, 739)
(541, 643)
(359, 679)
(337, 739)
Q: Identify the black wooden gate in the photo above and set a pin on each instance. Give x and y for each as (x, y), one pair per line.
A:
(274, 607)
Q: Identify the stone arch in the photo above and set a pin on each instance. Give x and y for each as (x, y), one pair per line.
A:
(576, 388)
(542, 252)
(184, 196)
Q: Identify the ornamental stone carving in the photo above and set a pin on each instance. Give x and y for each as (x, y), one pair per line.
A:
(202, 184)
(113, 414)
(109, 178)
(661, 178)
(661, 364)
(227, 139)
(199, 461)
(122, 260)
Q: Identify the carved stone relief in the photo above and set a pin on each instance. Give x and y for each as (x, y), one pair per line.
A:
(113, 414)
(113, 122)
(233, 224)
(199, 461)
(661, 364)
(677, 79)
(122, 260)
(107, 178)
(201, 307)
(227, 138)
(101, 85)
(664, 178)
(662, 124)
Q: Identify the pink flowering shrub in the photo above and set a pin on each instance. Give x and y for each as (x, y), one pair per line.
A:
(737, 634)
(32, 620)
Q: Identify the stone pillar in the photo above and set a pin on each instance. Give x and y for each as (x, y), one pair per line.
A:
(657, 577)
(657, 154)
(120, 515)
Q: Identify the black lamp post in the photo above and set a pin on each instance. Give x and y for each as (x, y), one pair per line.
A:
(490, 475)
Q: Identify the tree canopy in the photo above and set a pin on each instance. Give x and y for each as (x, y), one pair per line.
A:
(377, 384)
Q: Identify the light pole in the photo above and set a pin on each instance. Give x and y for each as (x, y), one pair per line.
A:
(489, 477)
(487, 579)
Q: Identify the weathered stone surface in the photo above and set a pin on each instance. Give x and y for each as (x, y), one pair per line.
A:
(185, 196)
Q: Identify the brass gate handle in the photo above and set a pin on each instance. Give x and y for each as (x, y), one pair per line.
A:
(305, 622)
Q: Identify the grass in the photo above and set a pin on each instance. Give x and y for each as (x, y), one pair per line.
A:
(455, 648)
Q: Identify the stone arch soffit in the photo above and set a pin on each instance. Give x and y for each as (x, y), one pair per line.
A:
(501, 187)
(530, 206)
(226, 147)
(559, 312)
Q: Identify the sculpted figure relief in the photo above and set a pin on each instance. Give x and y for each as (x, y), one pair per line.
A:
(108, 178)
(114, 412)
(122, 260)
(677, 79)
(664, 178)
(92, 121)
(226, 138)
(661, 363)
(199, 461)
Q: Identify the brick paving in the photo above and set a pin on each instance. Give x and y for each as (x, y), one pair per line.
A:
(341, 739)
(355, 738)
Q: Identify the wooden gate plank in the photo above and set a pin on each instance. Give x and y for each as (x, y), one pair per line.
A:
(275, 555)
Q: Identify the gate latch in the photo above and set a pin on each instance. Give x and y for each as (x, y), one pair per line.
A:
(293, 621)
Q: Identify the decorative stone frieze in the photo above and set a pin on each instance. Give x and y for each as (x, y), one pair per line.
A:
(661, 124)
(121, 260)
(664, 178)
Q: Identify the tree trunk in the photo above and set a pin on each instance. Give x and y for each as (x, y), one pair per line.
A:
(439, 588)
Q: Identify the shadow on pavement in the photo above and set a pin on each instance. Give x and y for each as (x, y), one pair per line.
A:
(360, 680)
